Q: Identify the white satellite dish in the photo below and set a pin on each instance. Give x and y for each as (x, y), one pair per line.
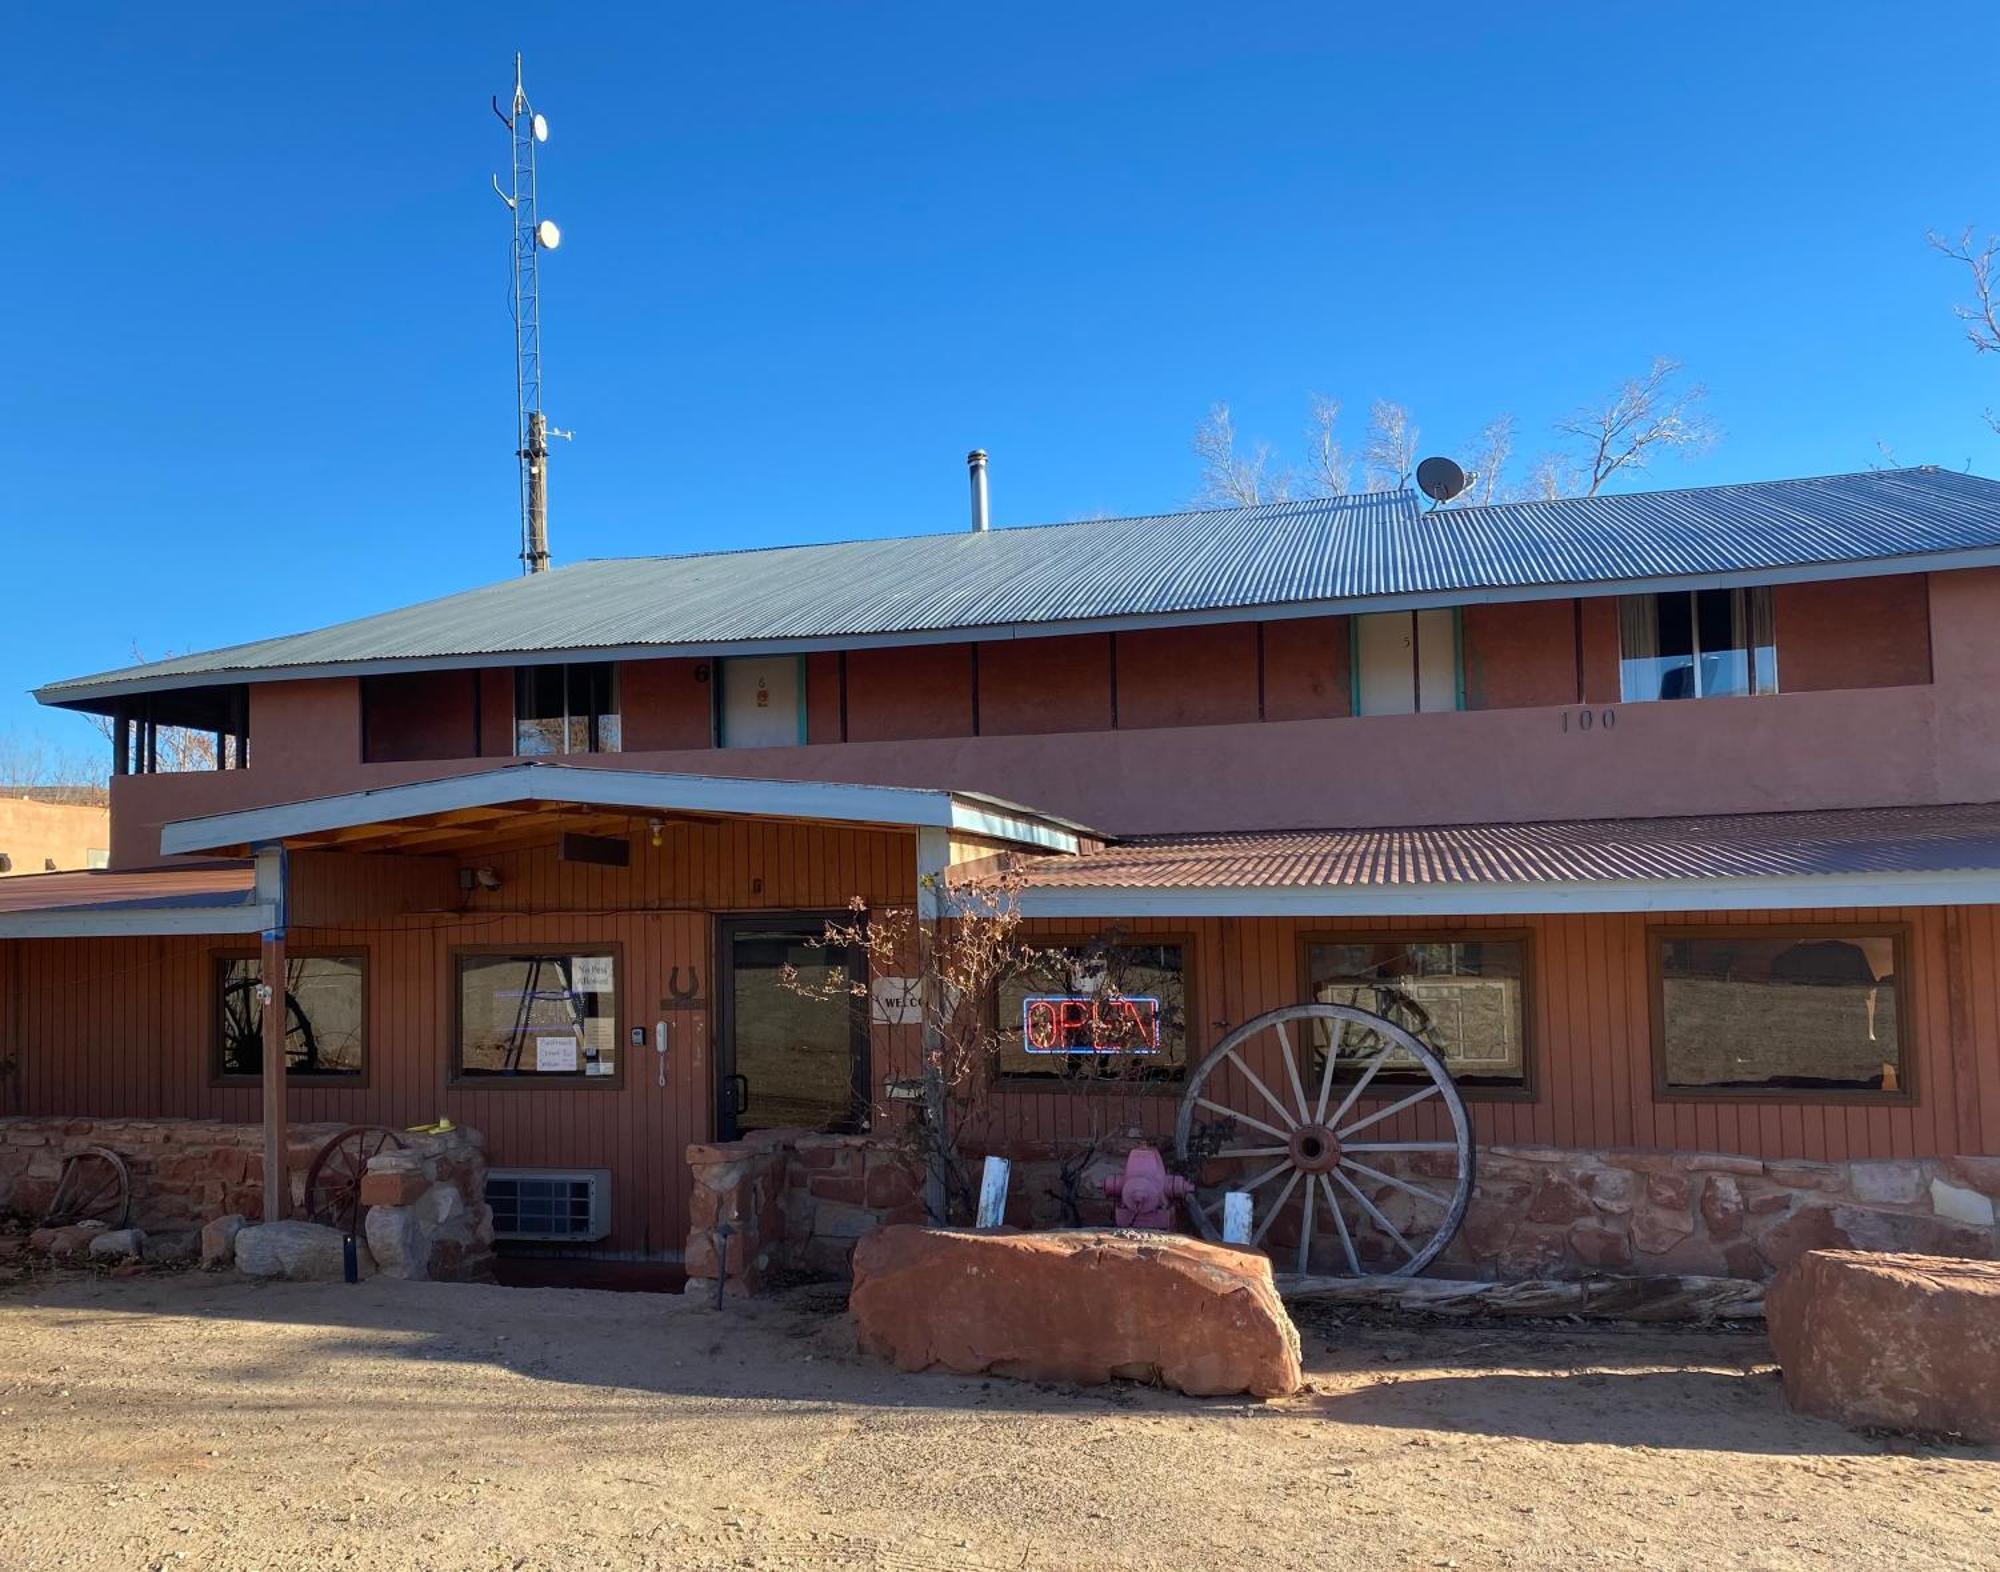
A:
(547, 236)
(540, 126)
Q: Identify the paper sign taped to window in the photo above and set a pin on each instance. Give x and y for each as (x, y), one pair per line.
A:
(555, 1055)
(590, 973)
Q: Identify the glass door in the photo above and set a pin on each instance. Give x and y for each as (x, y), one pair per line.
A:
(792, 1049)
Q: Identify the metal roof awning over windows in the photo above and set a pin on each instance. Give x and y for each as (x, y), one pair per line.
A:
(1378, 551)
(1732, 862)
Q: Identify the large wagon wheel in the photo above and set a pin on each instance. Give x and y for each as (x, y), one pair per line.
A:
(94, 1185)
(333, 1182)
(1393, 1193)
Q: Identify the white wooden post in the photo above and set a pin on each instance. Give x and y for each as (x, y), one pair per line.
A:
(1236, 1217)
(993, 1193)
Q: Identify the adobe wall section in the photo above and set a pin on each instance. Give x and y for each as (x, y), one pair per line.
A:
(897, 695)
(1308, 669)
(665, 704)
(1187, 676)
(1043, 685)
(1853, 633)
(1518, 657)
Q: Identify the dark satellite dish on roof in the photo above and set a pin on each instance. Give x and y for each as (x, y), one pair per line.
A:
(1440, 479)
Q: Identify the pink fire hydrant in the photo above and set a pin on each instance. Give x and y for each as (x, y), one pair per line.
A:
(1145, 1191)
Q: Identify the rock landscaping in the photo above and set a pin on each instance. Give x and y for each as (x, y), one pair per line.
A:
(1078, 1305)
(1891, 1342)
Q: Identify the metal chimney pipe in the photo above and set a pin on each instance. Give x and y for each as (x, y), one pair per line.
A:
(975, 461)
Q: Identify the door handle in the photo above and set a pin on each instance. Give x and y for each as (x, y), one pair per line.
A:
(739, 1094)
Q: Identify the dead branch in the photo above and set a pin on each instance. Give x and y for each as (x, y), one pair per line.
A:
(1643, 416)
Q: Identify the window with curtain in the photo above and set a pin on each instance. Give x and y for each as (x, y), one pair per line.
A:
(1697, 644)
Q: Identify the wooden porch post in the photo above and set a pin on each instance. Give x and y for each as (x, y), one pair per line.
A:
(271, 973)
(933, 865)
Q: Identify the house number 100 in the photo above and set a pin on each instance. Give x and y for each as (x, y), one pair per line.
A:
(1589, 720)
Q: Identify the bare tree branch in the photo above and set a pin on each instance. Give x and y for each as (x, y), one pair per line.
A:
(1390, 458)
(1228, 480)
(1645, 414)
(1328, 468)
(1982, 316)
(1489, 462)
(1553, 475)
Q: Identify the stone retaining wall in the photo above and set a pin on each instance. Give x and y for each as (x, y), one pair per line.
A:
(1540, 1212)
(792, 1201)
(797, 1202)
(187, 1172)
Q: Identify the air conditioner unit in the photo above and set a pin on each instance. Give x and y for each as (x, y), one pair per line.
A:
(571, 1205)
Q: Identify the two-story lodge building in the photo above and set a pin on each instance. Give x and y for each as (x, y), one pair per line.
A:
(1670, 820)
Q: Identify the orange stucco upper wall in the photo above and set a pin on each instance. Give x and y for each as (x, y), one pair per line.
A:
(1231, 726)
(51, 837)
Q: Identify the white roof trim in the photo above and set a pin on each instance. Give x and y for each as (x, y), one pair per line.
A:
(639, 790)
(83, 922)
(1969, 887)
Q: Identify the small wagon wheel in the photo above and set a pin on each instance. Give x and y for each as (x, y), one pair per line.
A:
(1391, 1182)
(94, 1184)
(333, 1182)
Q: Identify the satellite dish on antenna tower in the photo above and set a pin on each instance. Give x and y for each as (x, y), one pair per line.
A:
(540, 126)
(547, 236)
(1441, 480)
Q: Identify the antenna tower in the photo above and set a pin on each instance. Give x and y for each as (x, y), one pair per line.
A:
(533, 235)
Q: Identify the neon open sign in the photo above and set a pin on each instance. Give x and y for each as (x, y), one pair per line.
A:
(1063, 1023)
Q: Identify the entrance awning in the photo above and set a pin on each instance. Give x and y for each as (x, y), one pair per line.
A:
(1939, 856)
(212, 898)
(536, 798)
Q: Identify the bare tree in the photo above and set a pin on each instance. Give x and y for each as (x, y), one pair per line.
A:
(1328, 468)
(1228, 479)
(1982, 316)
(1390, 458)
(1641, 417)
(35, 764)
(1551, 476)
(1644, 415)
(1489, 462)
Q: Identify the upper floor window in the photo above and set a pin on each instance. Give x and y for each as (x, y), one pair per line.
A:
(566, 709)
(760, 701)
(1697, 644)
(1406, 662)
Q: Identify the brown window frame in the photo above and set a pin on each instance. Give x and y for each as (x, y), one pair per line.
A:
(457, 1080)
(1906, 1021)
(1143, 1086)
(1529, 1089)
(222, 957)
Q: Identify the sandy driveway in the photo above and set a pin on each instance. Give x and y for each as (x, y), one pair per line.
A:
(194, 1422)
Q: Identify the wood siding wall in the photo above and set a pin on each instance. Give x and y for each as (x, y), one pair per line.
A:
(125, 1026)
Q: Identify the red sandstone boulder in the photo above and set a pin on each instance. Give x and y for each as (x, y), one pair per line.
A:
(1081, 1305)
(1899, 1342)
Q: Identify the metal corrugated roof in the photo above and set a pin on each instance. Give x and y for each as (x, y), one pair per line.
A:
(1284, 558)
(1831, 844)
(214, 898)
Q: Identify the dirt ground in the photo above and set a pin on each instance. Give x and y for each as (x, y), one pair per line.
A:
(197, 1422)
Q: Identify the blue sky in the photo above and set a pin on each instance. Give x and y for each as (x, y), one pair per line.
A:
(262, 374)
